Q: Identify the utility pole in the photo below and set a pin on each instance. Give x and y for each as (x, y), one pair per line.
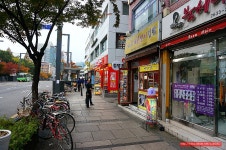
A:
(58, 59)
(68, 47)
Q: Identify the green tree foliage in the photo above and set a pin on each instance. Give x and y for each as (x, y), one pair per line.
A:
(6, 56)
(22, 20)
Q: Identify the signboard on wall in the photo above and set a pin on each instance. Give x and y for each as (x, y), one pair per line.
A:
(191, 14)
(143, 38)
(149, 67)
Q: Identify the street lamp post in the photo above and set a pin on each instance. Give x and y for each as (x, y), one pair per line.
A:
(20, 62)
(69, 65)
(58, 59)
(68, 44)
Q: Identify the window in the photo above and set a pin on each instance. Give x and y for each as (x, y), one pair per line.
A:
(103, 45)
(173, 1)
(125, 8)
(92, 56)
(193, 75)
(105, 15)
(145, 13)
(97, 51)
(120, 40)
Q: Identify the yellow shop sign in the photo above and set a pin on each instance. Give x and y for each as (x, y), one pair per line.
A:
(150, 67)
(143, 38)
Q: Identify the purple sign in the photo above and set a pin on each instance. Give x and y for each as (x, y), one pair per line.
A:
(184, 92)
(204, 101)
(200, 94)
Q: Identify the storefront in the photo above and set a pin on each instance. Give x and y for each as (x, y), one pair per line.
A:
(106, 76)
(101, 73)
(143, 64)
(196, 50)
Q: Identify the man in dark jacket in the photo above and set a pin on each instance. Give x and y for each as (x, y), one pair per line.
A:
(89, 93)
(79, 82)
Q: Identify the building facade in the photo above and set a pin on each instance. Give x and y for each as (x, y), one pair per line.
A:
(193, 49)
(143, 57)
(105, 47)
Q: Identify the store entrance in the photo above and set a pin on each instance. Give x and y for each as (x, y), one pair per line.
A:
(135, 86)
(222, 95)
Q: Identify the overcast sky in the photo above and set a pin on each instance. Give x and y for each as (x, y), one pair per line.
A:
(78, 37)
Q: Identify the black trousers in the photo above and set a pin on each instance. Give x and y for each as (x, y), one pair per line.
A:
(88, 99)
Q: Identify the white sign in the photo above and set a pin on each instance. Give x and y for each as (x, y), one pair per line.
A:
(191, 14)
(116, 65)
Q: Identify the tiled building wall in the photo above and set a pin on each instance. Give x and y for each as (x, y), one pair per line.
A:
(175, 5)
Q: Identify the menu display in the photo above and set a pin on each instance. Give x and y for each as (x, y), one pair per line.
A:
(204, 103)
(184, 92)
(199, 94)
(123, 88)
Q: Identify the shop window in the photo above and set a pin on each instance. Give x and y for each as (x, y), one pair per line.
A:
(145, 13)
(125, 8)
(120, 40)
(193, 84)
(148, 79)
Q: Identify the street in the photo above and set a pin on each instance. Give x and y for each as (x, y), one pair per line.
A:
(11, 93)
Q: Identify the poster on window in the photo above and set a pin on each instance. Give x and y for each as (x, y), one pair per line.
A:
(184, 92)
(204, 102)
(200, 94)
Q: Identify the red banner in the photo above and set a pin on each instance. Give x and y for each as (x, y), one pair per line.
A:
(194, 34)
(113, 80)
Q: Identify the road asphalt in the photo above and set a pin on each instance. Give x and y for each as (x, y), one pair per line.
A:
(106, 126)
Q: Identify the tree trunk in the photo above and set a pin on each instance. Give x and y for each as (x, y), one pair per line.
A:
(35, 82)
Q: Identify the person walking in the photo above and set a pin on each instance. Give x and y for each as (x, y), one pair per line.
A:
(79, 82)
(89, 93)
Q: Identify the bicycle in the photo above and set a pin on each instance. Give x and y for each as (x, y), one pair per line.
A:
(51, 126)
(65, 118)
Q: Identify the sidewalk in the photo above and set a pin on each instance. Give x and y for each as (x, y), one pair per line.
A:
(107, 126)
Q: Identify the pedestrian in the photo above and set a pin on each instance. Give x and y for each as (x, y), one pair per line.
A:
(79, 82)
(89, 93)
(75, 86)
(82, 82)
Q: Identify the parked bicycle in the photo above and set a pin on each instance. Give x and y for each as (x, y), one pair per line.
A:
(51, 127)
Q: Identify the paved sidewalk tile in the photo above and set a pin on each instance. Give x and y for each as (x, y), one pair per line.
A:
(105, 126)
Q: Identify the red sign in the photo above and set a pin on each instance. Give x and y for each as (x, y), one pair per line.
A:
(200, 8)
(195, 34)
(113, 79)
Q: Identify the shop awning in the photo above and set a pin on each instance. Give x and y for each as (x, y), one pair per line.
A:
(218, 25)
(141, 53)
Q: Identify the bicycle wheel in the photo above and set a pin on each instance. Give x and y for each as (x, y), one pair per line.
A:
(66, 119)
(44, 131)
(64, 139)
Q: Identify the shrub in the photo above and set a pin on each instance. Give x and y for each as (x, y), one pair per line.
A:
(22, 131)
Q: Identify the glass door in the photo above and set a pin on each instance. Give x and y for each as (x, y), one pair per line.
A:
(222, 86)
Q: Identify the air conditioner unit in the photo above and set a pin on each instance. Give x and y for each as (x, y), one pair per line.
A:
(165, 11)
(128, 33)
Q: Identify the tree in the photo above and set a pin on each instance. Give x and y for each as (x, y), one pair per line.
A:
(22, 20)
(6, 56)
